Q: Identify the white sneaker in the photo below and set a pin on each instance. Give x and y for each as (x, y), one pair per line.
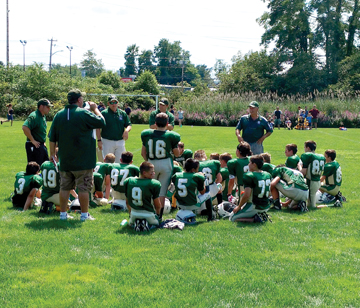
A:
(66, 217)
(89, 217)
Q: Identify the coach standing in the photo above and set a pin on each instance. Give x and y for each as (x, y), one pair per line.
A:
(34, 129)
(163, 105)
(73, 131)
(253, 126)
(111, 139)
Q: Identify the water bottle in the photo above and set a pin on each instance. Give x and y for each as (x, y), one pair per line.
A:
(124, 223)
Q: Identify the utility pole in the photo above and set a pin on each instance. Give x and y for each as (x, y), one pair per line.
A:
(51, 45)
(23, 43)
(182, 62)
(7, 34)
(70, 49)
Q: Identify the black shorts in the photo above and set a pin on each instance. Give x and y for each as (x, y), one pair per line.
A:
(39, 154)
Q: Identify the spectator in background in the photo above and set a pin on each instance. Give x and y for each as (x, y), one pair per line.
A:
(10, 114)
(34, 129)
(163, 105)
(172, 110)
(101, 106)
(181, 116)
(127, 109)
(288, 123)
(306, 111)
(314, 113)
(277, 114)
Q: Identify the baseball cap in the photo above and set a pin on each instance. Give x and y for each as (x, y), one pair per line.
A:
(74, 94)
(112, 98)
(254, 104)
(44, 102)
(164, 101)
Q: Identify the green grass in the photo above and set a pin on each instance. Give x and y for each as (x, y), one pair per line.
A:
(298, 260)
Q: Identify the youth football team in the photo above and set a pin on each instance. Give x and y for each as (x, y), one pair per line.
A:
(248, 181)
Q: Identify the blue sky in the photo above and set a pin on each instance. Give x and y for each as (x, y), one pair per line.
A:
(209, 30)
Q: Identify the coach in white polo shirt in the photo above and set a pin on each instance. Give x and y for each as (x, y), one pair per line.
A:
(111, 139)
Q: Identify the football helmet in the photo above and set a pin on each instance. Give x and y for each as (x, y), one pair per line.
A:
(225, 209)
(167, 206)
(119, 204)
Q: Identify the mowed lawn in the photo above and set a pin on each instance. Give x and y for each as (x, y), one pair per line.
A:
(299, 260)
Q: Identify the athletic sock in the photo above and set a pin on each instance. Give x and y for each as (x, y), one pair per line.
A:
(209, 209)
(85, 215)
(63, 214)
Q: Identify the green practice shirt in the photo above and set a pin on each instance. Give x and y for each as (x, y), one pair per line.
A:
(25, 183)
(210, 168)
(157, 111)
(36, 122)
(315, 165)
(259, 182)
(119, 173)
(73, 129)
(333, 174)
(291, 177)
(116, 122)
(140, 193)
(103, 168)
(253, 130)
(183, 157)
(268, 168)
(159, 144)
(187, 187)
(51, 180)
(292, 162)
(237, 167)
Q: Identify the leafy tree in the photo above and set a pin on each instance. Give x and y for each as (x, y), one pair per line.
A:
(145, 61)
(220, 68)
(91, 65)
(130, 60)
(111, 79)
(205, 75)
(353, 26)
(147, 82)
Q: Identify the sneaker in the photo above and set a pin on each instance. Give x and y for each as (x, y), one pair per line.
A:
(137, 225)
(302, 206)
(341, 197)
(263, 216)
(66, 217)
(89, 217)
(145, 225)
(338, 203)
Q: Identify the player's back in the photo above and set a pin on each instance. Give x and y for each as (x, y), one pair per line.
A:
(51, 180)
(187, 186)
(259, 182)
(210, 168)
(315, 165)
(120, 172)
(238, 167)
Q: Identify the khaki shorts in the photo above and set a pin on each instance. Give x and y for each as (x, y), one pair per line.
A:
(83, 180)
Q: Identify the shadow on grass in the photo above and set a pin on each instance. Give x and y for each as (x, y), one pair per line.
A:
(53, 223)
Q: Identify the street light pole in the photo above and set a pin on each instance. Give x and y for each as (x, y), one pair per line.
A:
(70, 49)
(23, 43)
(7, 34)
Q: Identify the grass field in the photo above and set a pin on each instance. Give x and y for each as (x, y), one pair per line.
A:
(299, 260)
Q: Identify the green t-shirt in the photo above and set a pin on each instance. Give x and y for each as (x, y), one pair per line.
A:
(103, 168)
(187, 187)
(291, 177)
(140, 193)
(119, 173)
(116, 122)
(333, 174)
(73, 129)
(159, 144)
(183, 157)
(157, 111)
(176, 169)
(51, 180)
(268, 168)
(237, 167)
(253, 130)
(314, 164)
(25, 183)
(225, 177)
(36, 122)
(210, 168)
(292, 162)
(259, 182)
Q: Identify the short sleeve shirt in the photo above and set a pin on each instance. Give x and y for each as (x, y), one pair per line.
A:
(210, 168)
(333, 174)
(291, 177)
(183, 157)
(292, 161)
(119, 173)
(187, 187)
(36, 122)
(157, 111)
(315, 165)
(116, 122)
(237, 167)
(259, 182)
(51, 180)
(314, 112)
(25, 183)
(253, 130)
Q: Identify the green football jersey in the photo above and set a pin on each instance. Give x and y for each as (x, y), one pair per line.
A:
(119, 173)
(103, 168)
(140, 193)
(333, 175)
(259, 182)
(25, 183)
(51, 180)
(176, 169)
(183, 157)
(237, 167)
(291, 177)
(98, 181)
(315, 165)
(159, 144)
(292, 162)
(225, 177)
(210, 168)
(187, 187)
(268, 168)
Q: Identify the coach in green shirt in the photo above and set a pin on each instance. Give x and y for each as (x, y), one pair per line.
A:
(34, 129)
(111, 138)
(253, 126)
(163, 105)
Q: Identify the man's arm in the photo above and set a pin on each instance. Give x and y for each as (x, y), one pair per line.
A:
(231, 185)
(28, 134)
(98, 137)
(176, 152)
(128, 206)
(143, 153)
(157, 205)
(261, 140)
(237, 133)
(30, 198)
(169, 127)
(107, 186)
(218, 178)
(52, 152)
(126, 132)
(244, 199)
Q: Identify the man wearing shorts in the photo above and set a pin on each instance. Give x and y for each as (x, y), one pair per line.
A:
(277, 114)
(34, 129)
(157, 145)
(314, 113)
(73, 131)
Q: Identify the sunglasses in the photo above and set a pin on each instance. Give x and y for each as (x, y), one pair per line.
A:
(113, 103)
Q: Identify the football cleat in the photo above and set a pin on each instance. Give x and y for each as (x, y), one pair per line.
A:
(302, 206)
(257, 218)
(338, 203)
